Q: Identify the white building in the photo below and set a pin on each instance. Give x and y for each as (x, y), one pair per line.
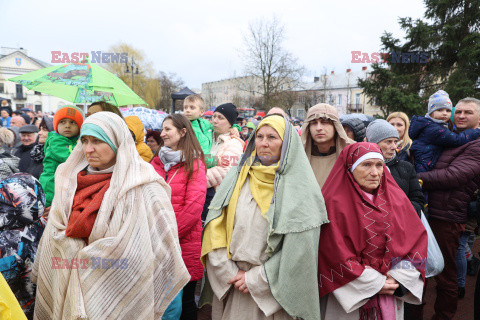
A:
(241, 91)
(339, 90)
(15, 62)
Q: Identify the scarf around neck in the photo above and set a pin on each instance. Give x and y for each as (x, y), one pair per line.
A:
(387, 161)
(91, 189)
(38, 153)
(170, 157)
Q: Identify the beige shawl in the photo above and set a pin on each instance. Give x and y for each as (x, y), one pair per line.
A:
(323, 165)
(135, 231)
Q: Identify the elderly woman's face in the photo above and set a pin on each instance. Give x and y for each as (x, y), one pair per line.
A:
(268, 144)
(368, 174)
(99, 154)
(388, 147)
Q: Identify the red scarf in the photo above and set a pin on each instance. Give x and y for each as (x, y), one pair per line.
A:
(362, 232)
(86, 203)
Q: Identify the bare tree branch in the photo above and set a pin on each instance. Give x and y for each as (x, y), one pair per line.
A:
(266, 59)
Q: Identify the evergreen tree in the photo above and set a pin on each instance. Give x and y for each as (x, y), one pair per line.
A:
(450, 35)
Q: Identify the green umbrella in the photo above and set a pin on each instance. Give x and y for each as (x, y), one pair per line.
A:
(80, 83)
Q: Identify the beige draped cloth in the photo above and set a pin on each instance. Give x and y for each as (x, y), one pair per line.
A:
(135, 267)
(322, 165)
(249, 242)
(345, 302)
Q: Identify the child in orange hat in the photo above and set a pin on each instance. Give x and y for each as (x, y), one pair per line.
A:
(60, 143)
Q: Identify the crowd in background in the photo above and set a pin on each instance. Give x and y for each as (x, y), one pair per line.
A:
(268, 217)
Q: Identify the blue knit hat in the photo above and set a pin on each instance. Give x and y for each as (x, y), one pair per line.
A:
(439, 100)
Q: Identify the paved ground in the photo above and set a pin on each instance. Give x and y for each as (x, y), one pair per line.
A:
(465, 306)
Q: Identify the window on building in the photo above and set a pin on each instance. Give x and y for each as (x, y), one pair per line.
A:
(331, 99)
(2, 88)
(339, 100)
(357, 100)
(19, 106)
(38, 107)
(19, 90)
(37, 93)
(301, 113)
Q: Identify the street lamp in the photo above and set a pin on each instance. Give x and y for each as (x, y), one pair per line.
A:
(133, 66)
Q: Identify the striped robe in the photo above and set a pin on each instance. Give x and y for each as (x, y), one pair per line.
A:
(132, 267)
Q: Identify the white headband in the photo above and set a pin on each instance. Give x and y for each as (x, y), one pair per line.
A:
(366, 156)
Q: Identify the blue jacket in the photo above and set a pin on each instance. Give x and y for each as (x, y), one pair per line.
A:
(6, 122)
(430, 138)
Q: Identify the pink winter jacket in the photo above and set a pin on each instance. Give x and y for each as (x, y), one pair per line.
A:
(188, 197)
(229, 151)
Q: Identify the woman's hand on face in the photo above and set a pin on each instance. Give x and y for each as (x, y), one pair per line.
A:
(239, 282)
(389, 287)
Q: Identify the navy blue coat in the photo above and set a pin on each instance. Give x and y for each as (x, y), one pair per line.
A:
(430, 138)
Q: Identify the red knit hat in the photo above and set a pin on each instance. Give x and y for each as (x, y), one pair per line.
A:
(69, 112)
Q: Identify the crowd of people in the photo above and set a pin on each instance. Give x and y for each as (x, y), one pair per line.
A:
(263, 218)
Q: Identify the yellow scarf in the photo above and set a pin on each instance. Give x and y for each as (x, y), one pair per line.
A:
(218, 233)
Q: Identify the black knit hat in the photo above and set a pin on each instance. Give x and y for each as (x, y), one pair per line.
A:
(229, 111)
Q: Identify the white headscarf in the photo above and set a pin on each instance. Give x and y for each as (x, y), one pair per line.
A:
(135, 225)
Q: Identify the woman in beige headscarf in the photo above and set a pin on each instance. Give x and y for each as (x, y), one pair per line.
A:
(110, 249)
(323, 138)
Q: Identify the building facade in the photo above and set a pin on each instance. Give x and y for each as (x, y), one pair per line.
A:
(241, 91)
(15, 62)
(339, 90)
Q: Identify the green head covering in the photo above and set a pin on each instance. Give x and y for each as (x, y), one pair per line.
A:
(90, 129)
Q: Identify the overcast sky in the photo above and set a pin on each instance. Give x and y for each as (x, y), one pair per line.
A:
(200, 40)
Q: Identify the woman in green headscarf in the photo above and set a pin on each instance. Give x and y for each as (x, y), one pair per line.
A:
(261, 236)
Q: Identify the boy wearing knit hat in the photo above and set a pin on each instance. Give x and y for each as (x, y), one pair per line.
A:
(431, 135)
(60, 143)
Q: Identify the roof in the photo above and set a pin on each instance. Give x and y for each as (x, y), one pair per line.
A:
(182, 94)
(42, 63)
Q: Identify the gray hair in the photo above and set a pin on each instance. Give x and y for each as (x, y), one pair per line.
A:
(470, 100)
